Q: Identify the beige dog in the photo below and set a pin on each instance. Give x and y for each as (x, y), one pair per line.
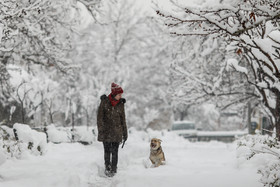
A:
(156, 153)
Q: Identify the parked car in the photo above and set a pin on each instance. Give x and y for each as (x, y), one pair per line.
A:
(187, 129)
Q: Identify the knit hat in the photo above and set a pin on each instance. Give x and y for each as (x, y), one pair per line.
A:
(116, 89)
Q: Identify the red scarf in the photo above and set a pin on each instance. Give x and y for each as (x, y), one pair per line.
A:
(114, 102)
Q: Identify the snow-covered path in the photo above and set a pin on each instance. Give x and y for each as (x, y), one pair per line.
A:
(211, 164)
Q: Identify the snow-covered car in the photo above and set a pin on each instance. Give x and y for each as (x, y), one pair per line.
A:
(187, 129)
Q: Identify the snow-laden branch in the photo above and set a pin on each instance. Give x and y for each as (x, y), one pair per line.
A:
(234, 63)
(91, 6)
(267, 150)
(250, 29)
(221, 19)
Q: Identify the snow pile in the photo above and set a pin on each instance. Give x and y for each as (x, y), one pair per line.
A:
(80, 134)
(83, 134)
(57, 136)
(263, 151)
(30, 139)
(2, 156)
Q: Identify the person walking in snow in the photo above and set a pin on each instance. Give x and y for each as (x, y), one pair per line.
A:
(111, 124)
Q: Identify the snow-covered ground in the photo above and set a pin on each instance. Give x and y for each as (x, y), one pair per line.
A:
(198, 164)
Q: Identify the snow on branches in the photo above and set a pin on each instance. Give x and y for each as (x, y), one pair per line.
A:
(264, 150)
(36, 37)
(37, 32)
(230, 18)
(250, 30)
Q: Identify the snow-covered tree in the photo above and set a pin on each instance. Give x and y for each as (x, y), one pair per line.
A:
(128, 49)
(250, 30)
(36, 36)
(196, 71)
(199, 78)
(37, 32)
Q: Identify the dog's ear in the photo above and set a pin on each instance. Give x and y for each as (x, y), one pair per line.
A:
(159, 140)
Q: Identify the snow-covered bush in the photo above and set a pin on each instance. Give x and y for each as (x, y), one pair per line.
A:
(271, 174)
(30, 140)
(58, 136)
(267, 149)
(80, 134)
(9, 147)
(19, 140)
(83, 135)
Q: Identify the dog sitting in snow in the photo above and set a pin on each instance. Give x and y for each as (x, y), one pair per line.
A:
(156, 153)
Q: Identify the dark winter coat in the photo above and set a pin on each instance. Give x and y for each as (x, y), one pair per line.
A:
(111, 122)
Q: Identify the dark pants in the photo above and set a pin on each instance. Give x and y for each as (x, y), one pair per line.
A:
(111, 155)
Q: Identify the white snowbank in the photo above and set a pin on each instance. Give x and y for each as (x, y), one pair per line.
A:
(67, 165)
(2, 156)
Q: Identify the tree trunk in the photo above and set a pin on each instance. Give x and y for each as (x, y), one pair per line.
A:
(73, 119)
(51, 117)
(277, 125)
(277, 117)
(182, 116)
(249, 125)
(50, 112)
(22, 113)
(87, 119)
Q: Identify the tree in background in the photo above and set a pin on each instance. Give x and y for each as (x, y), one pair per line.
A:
(36, 37)
(250, 30)
(37, 32)
(131, 50)
(67, 70)
(200, 76)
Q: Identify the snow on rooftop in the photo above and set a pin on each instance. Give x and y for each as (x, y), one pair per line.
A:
(184, 121)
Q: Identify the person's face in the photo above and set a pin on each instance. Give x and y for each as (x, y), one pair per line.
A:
(118, 97)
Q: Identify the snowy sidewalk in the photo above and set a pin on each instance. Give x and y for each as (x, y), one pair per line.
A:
(211, 164)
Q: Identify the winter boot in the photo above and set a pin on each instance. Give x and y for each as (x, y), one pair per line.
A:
(114, 170)
(108, 170)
